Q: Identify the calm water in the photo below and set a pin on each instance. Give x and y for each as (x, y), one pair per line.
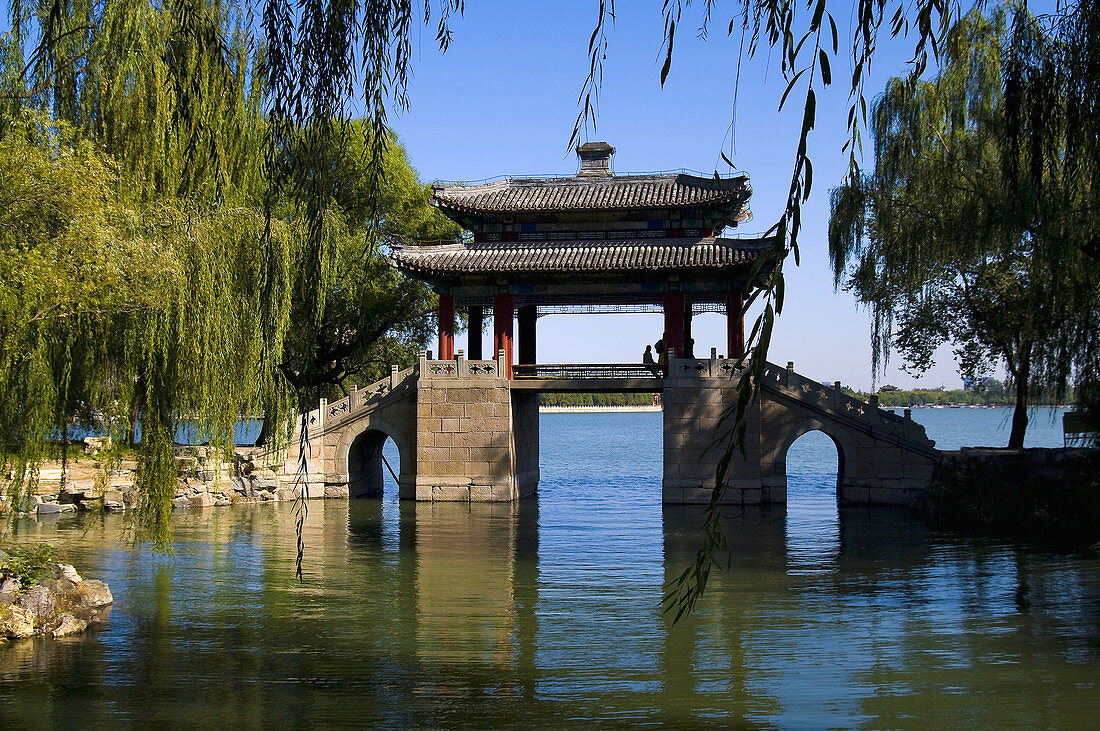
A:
(547, 612)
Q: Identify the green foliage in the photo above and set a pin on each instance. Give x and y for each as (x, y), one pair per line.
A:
(172, 245)
(936, 243)
(373, 316)
(596, 399)
(29, 563)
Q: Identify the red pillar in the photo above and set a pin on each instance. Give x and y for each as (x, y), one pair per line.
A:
(527, 316)
(687, 331)
(674, 322)
(503, 305)
(476, 322)
(735, 323)
(446, 327)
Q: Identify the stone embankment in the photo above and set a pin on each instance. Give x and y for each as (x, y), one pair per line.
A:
(60, 603)
(205, 480)
(1051, 494)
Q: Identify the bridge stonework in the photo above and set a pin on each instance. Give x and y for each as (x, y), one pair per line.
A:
(881, 458)
(464, 432)
(474, 436)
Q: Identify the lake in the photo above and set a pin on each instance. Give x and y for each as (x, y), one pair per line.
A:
(547, 612)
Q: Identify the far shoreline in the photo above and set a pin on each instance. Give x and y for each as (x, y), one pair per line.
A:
(648, 408)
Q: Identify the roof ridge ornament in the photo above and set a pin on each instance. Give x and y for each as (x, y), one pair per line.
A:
(595, 160)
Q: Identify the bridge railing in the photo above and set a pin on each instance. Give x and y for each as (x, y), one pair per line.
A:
(585, 371)
(460, 367)
(834, 399)
(712, 367)
(359, 398)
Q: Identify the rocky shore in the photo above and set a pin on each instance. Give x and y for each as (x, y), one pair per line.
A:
(57, 603)
(205, 480)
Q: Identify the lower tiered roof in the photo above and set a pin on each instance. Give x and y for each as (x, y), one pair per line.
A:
(660, 257)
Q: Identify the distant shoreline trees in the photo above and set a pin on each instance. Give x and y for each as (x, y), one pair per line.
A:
(960, 235)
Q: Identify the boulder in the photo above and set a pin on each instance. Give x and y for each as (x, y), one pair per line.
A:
(39, 600)
(45, 508)
(93, 445)
(114, 499)
(69, 573)
(181, 502)
(241, 486)
(69, 625)
(16, 622)
(94, 593)
(67, 508)
(201, 500)
(10, 586)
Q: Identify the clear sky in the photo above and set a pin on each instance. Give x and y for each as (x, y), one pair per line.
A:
(503, 99)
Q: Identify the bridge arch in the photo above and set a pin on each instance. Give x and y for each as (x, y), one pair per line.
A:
(840, 437)
(359, 456)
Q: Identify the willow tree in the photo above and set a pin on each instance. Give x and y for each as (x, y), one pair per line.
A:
(170, 98)
(372, 315)
(161, 106)
(944, 244)
(104, 302)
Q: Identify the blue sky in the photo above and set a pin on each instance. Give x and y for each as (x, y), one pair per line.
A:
(503, 99)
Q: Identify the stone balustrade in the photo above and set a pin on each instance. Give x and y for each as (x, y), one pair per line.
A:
(460, 367)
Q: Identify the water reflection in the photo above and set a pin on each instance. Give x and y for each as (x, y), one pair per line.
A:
(548, 612)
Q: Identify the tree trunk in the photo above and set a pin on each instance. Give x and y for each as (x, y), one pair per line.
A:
(135, 410)
(265, 430)
(1019, 415)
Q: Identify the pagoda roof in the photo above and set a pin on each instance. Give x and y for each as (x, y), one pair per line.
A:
(596, 193)
(603, 257)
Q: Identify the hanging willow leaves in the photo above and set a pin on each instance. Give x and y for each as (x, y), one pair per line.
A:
(975, 225)
(199, 109)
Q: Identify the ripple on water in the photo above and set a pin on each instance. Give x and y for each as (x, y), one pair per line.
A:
(548, 612)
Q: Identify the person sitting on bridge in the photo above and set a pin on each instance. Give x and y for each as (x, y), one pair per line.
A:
(648, 361)
(662, 355)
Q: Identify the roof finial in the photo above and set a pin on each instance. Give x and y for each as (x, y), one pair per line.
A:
(595, 160)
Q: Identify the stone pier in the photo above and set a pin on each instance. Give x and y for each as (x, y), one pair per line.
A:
(466, 432)
(476, 440)
(881, 458)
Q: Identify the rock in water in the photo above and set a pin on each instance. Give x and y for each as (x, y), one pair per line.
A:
(16, 622)
(202, 500)
(39, 600)
(95, 594)
(69, 573)
(69, 625)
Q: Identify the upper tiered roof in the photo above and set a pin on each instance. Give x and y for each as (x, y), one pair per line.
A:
(593, 227)
(619, 193)
(595, 193)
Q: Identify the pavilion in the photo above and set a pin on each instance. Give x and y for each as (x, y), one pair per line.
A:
(595, 242)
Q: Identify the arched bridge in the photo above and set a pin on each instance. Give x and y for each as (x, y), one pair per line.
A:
(465, 432)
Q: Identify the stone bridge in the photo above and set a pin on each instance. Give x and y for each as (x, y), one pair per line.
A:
(464, 432)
